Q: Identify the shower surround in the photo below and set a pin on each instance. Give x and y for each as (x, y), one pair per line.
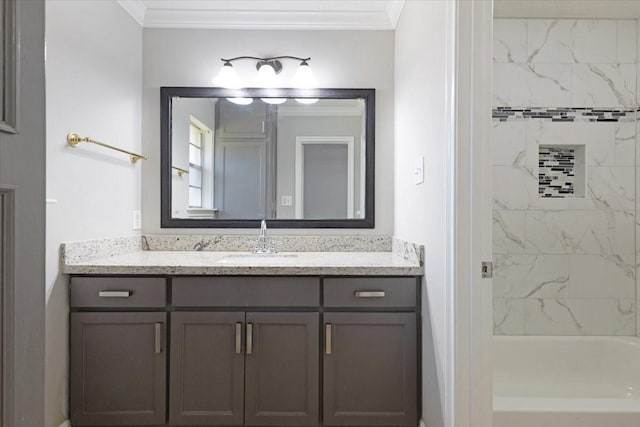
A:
(566, 264)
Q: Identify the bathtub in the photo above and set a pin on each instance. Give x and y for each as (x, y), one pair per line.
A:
(566, 382)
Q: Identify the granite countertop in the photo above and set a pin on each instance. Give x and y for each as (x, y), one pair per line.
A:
(227, 255)
(244, 263)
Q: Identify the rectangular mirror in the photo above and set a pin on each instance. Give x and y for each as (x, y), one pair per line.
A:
(298, 158)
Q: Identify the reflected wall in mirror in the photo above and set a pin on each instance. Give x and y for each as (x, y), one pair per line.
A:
(298, 158)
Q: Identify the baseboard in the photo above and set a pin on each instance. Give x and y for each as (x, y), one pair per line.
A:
(68, 424)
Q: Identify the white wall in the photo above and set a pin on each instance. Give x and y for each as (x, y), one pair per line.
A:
(420, 215)
(94, 81)
(340, 59)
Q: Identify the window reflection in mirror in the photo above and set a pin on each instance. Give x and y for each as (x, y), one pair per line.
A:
(286, 160)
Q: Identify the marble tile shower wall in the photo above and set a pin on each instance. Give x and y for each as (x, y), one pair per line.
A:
(565, 266)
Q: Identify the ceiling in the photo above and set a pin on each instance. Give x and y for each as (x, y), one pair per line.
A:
(612, 9)
(261, 14)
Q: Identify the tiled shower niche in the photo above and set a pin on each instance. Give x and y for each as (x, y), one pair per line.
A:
(561, 171)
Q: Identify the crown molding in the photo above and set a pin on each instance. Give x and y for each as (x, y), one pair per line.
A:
(394, 10)
(266, 15)
(135, 8)
(268, 20)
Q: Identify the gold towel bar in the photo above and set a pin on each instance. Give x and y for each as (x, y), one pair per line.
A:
(74, 139)
(180, 170)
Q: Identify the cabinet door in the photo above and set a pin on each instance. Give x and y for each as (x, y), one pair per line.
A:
(207, 369)
(242, 121)
(370, 369)
(282, 376)
(117, 365)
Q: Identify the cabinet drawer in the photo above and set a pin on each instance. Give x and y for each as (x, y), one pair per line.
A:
(116, 292)
(370, 292)
(246, 291)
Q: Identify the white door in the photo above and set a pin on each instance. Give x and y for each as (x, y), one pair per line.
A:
(324, 177)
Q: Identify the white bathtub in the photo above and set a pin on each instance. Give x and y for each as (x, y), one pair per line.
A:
(566, 382)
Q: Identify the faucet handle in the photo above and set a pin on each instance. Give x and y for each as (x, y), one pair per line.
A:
(270, 244)
(263, 246)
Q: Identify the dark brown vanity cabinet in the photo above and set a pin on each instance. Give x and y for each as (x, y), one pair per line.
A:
(207, 369)
(254, 368)
(117, 359)
(117, 369)
(282, 369)
(370, 369)
(243, 366)
(370, 358)
(254, 351)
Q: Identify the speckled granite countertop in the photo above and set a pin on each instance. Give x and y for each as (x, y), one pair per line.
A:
(239, 263)
(224, 255)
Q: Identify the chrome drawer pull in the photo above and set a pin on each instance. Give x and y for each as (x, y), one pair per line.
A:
(249, 338)
(369, 294)
(238, 338)
(158, 338)
(115, 294)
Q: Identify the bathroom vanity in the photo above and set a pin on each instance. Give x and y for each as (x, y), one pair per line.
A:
(236, 343)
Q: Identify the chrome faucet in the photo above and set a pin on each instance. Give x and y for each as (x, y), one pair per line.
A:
(263, 230)
(264, 245)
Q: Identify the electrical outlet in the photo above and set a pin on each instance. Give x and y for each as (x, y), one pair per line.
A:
(137, 220)
(287, 201)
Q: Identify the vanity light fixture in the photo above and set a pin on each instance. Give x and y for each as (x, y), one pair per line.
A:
(227, 77)
(241, 101)
(307, 100)
(304, 78)
(267, 75)
(275, 101)
(268, 69)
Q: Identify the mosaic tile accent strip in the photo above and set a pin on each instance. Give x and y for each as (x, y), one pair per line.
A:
(557, 170)
(504, 114)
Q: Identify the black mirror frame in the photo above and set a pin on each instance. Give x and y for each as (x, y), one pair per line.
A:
(168, 93)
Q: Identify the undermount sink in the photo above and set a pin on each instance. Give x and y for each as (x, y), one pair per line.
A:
(258, 259)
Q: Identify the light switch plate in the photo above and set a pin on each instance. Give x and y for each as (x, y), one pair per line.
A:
(287, 201)
(418, 170)
(137, 220)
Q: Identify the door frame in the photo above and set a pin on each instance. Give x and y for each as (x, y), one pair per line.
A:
(7, 284)
(301, 141)
(9, 61)
(471, 404)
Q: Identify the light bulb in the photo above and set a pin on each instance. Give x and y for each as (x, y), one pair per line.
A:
(304, 77)
(227, 77)
(240, 101)
(274, 101)
(266, 76)
(307, 100)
